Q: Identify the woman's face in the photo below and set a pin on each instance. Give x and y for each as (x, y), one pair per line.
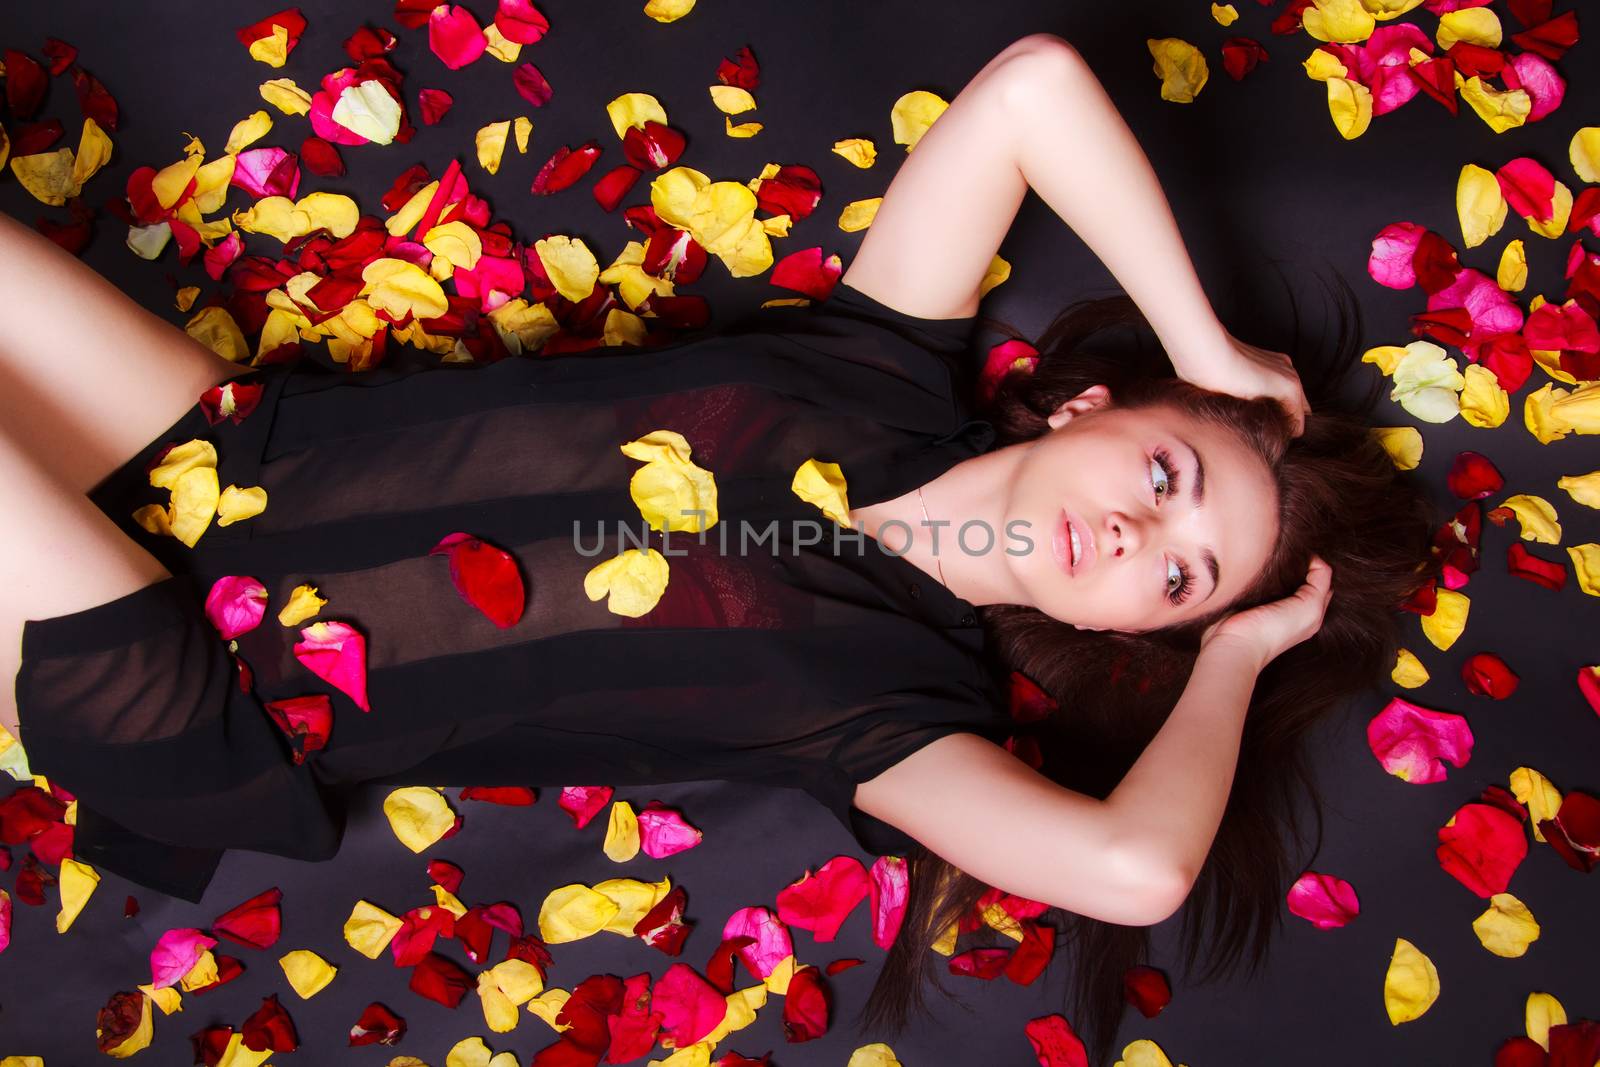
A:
(1141, 563)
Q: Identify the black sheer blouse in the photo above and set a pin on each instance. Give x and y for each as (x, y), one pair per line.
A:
(809, 665)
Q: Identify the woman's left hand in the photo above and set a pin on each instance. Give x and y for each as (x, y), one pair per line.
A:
(1244, 370)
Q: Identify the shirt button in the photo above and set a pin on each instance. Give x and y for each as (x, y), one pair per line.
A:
(968, 619)
(914, 590)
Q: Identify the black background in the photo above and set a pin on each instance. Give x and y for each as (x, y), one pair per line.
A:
(1256, 175)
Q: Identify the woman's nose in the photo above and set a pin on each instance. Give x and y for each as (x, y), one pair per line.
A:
(1122, 534)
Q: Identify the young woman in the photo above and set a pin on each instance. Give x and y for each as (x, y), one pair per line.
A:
(1181, 533)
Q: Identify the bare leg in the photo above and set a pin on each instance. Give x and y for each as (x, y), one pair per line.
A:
(58, 554)
(87, 376)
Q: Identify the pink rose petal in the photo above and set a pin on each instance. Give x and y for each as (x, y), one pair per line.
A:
(772, 941)
(891, 889)
(663, 833)
(822, 901)
(1325, 901)
(455, 36)
(336, 653)
(1410, 741)
(236, 604)
(175, 955)
(1392, 249)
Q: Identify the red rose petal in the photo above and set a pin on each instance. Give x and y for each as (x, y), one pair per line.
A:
(1524, 564)
(1486, 674)
(485, 576)
(377, 1026)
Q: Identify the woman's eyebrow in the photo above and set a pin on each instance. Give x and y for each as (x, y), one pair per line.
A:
(1197, 493)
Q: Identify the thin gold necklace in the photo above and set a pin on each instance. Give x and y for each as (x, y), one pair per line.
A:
(936, 559)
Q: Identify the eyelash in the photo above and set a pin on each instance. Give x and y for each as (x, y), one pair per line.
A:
(1164, 459)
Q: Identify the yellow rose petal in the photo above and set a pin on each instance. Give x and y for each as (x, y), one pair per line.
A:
(1512, 273)
(303, 604)
(999, 270)
(823, 484)
(334, 212)
(286, 96)
(1507, 928)
(1560, 210)
(1539, 1014)
(1586, 565)
(1180, 66)
(48, 176)
(1320, 66)
(1448, 620)
(273, 49)
(671, 491)
(1474, 25)
(1338, 21)
(858, 214)
(1584, 488)
(194, 504)
(1224, 14)
(1538, 518)
(732, 100)
(634, 581)
(1483, 403)
(521, 127)
(574, 912)
(399, 288)
(491, 144)
(215, 328)
(572, 268)
(634, 898)
(367, 108)
(77, 881)
(1501, 110)
(370, 929)
(622, 833)
(858, 151)
(1350, 105)
(1385, 357)
(172, 180)
(668, 10)
(634, 110)
(247, 131)
(1538, 794)
(913, 113)
(1408, 672)
(456, 242)
(419, 815)
(308, 973)
(94, 152)
(1584, 151)
(1403, 443)
(237, 504)
(1480, 204)
(1411, 984)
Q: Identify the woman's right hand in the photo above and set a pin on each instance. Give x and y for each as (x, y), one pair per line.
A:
(1269, 629)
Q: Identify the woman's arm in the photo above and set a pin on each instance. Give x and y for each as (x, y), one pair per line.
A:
(1129, 859)
(1080, 157)
(1035, 115)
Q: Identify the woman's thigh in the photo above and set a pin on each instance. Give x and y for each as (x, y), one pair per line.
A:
(58, 554)
(88, 377)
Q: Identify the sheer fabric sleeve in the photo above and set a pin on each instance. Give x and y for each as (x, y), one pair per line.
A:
(951, 336)
(936, 355)
(877, 744)
(135, 707)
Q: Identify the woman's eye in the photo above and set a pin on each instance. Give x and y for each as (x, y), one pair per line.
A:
(1161, 481)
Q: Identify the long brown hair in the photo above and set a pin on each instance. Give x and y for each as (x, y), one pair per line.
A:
(1341, 497)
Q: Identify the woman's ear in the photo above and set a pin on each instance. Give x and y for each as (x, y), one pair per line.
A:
(1092, 398)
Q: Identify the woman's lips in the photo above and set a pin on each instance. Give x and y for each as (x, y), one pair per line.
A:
(1061, 545)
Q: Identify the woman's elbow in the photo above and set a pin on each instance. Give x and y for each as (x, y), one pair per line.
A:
(1156, 890)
